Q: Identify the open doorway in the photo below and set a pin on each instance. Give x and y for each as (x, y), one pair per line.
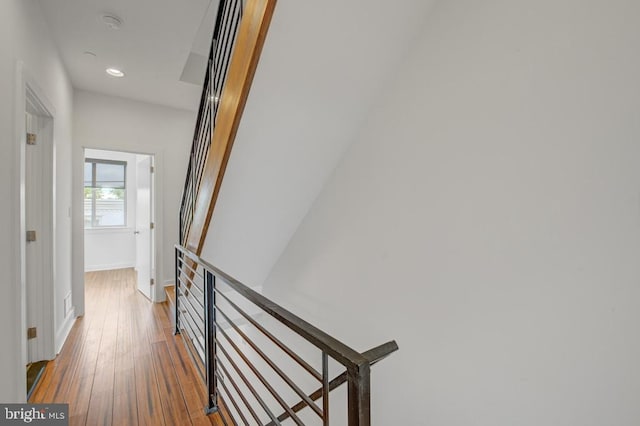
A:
(119, 214)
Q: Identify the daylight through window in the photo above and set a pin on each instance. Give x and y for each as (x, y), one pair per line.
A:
(104, 193)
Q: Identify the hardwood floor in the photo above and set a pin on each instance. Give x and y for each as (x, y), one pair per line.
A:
(121, 364)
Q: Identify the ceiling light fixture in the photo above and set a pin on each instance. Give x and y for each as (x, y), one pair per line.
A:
(114, 72)
(112, 22)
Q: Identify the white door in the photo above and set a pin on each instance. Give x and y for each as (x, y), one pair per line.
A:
(144, 218)
(38, 253)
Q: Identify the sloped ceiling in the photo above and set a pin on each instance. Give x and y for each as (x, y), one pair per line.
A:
(322, 69)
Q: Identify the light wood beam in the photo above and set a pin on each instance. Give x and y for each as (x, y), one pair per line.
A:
(250, 40)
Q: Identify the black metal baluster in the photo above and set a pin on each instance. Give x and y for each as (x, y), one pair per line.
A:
(210, 358)
(325, 389)
(359, 394)
(177, 291)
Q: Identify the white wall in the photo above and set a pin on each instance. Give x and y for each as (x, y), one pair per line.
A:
(488, 218)
(111, 123)
(24, 37)
(113, 247)
(312, 90)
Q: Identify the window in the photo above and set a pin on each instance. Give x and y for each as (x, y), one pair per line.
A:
(104, 193)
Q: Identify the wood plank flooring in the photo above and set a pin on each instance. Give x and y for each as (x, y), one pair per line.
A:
(122, 365)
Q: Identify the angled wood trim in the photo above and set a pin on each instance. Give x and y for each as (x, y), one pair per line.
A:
(251, 35)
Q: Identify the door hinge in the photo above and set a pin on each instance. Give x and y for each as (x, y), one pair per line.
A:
(152, 225)
(31, 138)
(31, 236)
(32, 333)
(152, 281)
(152, 169)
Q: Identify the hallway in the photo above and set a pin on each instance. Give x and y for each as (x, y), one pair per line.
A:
(121, 364)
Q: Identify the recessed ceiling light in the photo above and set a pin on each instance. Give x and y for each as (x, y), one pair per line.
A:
(112, 22)
(114, 72)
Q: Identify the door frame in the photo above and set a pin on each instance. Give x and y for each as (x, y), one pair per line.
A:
(28, 90)
(156, 211)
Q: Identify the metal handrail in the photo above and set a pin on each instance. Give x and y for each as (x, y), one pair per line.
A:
(323, 341)
(357, 364)
(374, 355)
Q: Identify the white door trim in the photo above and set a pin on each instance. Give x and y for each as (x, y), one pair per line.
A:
(28, 88)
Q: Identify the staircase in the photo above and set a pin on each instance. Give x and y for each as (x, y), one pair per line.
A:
(239, 35)
(260, 363)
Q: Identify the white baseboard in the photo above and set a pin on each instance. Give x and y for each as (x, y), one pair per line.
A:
(93, 268)
(65, 329)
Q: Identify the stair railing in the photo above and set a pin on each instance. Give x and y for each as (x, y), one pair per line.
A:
(261, 363)
(224, 37)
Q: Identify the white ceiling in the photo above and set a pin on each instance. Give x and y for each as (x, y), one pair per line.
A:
(159, 42)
